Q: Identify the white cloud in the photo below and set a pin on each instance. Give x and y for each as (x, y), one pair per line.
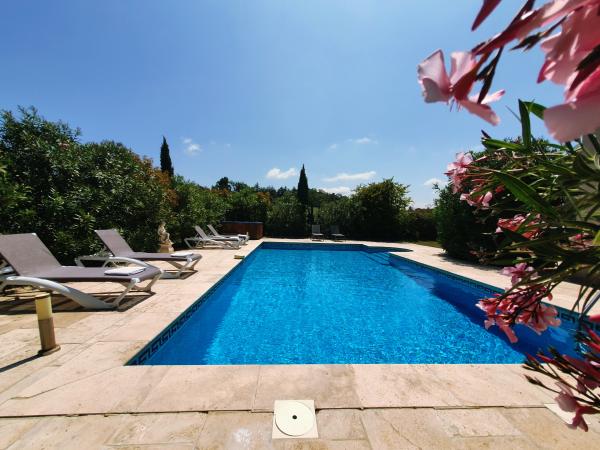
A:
(363, 141)
(191, 148)
(432, 181)
(332, 147)
(278, 174)
(342, 190)
(362, 176)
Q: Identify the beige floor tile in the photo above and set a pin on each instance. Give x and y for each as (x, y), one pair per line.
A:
(233, 431)
(66, 433)
(340, 424)
(95, 359)
(384, 385)
(548, 431)
(394, 429)
(494, 443)
(11, 430)
(475, 422)
(487, 385)
(320, 444)
(87, 328)
(24, 368)
(181, 428)
(203, 388)
(330, 386)
(177, 446)
(100, 393)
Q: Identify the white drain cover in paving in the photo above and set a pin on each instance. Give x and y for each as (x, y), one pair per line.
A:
(294, 419)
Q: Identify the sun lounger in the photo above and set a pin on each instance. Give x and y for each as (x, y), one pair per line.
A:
(202, 240)
(335, 233)
(183, 262)
(32, 264)
(316, 233)
(216, 235)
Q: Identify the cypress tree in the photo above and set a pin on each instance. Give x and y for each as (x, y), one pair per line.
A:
(165, 159)
(303, 187)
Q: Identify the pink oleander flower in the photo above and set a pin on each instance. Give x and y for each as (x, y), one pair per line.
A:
(581, 240)
(479, 201)
(518, 272)
(522, 307)
(439, 86)
(568, 402)
(457, 170)
(565, 53)
(517, 222)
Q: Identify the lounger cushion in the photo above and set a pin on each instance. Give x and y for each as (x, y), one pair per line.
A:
(65, 274)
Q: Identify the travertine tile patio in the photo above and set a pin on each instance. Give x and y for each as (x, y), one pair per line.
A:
(84, 397)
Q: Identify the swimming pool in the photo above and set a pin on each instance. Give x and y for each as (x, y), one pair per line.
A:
(339, 304)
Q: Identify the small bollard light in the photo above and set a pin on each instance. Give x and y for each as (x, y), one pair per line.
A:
(43, 308)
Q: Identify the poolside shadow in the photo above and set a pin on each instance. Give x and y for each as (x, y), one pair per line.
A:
(13, 304)
(19, 363)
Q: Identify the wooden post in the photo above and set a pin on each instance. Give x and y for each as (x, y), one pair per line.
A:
(43, 308)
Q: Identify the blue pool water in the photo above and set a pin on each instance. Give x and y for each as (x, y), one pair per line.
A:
(323, 304)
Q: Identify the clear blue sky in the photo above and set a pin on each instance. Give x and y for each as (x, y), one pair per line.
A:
(243, 87)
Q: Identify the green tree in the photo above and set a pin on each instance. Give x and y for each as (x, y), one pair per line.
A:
(303, 187)
(165, 159)
(380, 210)
(223, 184)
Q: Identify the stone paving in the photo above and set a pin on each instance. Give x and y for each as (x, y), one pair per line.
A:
(84, 397)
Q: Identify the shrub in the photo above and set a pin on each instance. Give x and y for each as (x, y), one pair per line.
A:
(247, 205)
(194, 205)
(418, 225)
(66, 189)
(459, 229)
(380, 207)
(287, 217)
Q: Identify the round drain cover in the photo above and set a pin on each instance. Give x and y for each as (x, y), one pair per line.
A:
(294, 418)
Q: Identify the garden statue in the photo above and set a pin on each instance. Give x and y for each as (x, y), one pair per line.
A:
(164, 239)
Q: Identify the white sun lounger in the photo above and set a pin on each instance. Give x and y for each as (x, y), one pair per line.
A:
(202, 240)
(216, 235)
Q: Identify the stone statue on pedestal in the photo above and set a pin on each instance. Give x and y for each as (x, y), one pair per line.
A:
(164, 239)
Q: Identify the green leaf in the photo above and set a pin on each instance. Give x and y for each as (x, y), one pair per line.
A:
(495, 143)
(525, 193)
(536, 109)
(596, 240)
(525, 124)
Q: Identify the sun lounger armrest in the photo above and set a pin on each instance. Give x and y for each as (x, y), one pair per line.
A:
(106, 260)
(137, 262)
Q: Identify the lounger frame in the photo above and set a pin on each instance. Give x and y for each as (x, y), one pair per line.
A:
(9, 278)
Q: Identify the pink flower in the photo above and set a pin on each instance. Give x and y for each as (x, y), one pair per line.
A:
(577, 39)
(518, 272)
(457, 170)
(568, 402)
(516, 224)
(581, 240)
(524, 307)
(479, 201)
(540, 318)
(438, 86)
